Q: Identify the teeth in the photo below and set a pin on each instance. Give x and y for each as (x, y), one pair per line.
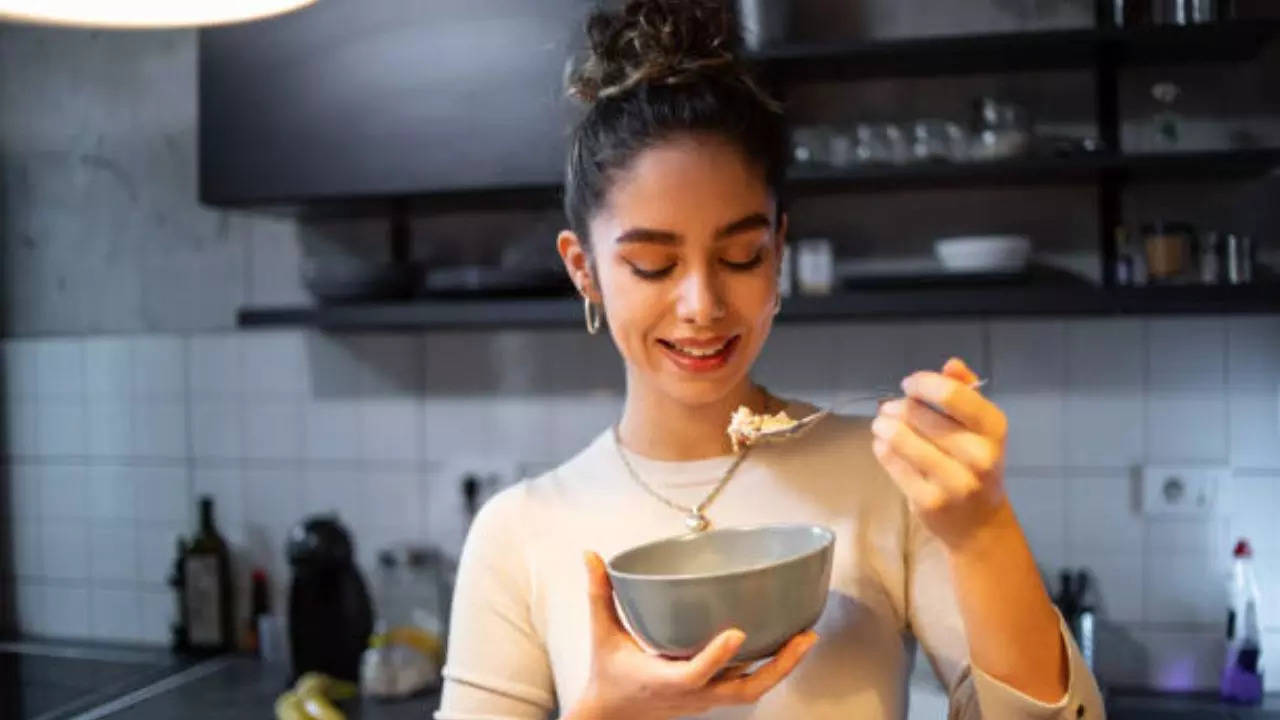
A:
(699, 352)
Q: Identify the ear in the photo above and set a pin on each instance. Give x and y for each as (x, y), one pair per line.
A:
(577, 262)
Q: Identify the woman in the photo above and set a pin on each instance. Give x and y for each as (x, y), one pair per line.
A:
(672, 196)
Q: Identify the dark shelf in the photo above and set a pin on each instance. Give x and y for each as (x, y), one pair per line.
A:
(1002, 300)
(1198, 165)
(1021, 171)
(1232, 41)
(1181, 166)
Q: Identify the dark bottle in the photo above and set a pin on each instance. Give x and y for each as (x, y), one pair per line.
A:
(206, 569)
(178, 626)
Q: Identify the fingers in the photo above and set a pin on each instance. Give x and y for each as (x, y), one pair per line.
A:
(922, 493)
(956, 399)
(604, 617)
(699, 669)
(979, 453)
(958, 369)
(750, 688)
(925, 457)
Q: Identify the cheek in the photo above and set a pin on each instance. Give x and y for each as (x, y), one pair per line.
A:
(755, 296)
(633, 308)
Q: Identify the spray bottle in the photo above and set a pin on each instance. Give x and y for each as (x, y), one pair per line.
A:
(1242, 674)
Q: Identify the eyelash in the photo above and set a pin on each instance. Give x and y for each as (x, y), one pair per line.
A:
(747, 266)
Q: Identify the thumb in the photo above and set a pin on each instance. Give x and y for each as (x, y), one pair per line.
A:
(957, 369)
(604, 617)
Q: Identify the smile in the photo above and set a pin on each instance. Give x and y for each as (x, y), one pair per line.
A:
(700, 356)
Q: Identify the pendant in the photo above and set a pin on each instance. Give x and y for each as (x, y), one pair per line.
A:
(696, 521)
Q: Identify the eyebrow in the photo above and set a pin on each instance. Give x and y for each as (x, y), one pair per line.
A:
(666, 237)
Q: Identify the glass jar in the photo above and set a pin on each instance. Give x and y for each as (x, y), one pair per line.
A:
(1001, 129)
(879, 144)
(414, 586)
(1168, 250)
(940, 140)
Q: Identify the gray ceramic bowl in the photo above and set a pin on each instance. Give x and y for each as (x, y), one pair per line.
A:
(770, 582)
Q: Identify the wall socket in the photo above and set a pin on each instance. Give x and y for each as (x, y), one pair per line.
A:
(1183, 491)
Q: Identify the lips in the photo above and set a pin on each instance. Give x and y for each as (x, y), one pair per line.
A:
(700, 354)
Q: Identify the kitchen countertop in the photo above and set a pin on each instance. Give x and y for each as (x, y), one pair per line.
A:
(1198, 706)
(240, 687)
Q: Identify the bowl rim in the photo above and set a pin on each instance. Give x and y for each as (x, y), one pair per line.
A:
(993, 239)
(829, 538)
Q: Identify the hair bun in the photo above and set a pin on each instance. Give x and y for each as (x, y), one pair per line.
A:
(658, 42)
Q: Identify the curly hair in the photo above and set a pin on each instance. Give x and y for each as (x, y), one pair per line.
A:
(656, 69)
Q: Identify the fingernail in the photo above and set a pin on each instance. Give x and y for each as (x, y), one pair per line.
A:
(737, 637)
(881, 426)
(891, 407)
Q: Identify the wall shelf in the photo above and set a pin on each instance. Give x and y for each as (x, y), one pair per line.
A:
(1232, 41)
(1181, 166)
(1103, 52)
(906, 303)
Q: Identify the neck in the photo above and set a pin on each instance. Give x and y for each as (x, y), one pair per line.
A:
(658, 426)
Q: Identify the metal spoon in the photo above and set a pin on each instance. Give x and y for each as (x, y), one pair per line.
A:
(808, 421)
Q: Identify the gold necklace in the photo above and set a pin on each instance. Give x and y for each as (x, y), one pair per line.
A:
(695, 516)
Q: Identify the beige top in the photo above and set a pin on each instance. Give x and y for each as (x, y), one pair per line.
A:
(520, 636)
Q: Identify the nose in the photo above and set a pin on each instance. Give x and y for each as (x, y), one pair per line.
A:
(699, 302)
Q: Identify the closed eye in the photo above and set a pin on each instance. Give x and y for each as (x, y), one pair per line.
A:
(751, 264)
(651, 274)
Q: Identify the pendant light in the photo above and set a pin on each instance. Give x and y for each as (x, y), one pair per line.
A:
(143, 14)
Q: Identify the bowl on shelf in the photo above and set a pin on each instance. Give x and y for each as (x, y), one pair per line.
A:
(346, 280)
(769, 581)
(983, 253)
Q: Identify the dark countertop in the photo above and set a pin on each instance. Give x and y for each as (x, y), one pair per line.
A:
(1199, 706)
(242, 688)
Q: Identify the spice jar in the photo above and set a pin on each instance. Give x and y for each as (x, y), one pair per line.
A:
(1168, 250)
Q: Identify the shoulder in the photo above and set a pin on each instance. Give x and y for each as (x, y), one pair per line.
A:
(580, 473)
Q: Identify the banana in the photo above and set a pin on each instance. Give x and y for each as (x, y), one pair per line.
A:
(319, 708)
(425, 642)
(314, 683)
(289, 707)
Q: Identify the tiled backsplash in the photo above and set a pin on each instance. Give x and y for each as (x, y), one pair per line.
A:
(111, 439)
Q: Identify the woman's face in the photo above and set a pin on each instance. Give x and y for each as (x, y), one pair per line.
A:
(686, 251)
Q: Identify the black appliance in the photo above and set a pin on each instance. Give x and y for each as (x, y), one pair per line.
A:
(330, 614)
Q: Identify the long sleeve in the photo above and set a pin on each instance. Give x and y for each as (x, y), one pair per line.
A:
(497, 666)
(934, 618)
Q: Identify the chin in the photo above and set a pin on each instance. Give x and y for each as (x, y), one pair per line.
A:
(700, 391)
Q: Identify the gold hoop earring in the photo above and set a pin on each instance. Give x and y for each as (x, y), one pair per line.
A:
(594, 315)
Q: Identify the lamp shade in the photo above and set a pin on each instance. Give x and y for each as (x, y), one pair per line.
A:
(143, 14)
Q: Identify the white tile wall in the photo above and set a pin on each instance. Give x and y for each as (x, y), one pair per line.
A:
(1038, 501)
(108, 370)
(1253, 349)
(113, 553)
(111, 441)
(1186, 426)
(1035, 427)
(1187, 353)
(116, 614)
(1028, 355)
(1106, 353)
(1104, 429)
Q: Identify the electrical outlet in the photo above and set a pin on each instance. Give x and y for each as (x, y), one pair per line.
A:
(1185, 491)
